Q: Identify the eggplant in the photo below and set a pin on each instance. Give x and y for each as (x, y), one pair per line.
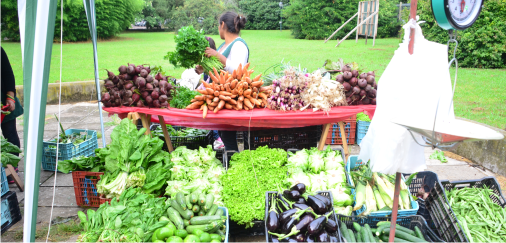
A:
(317, 225)
(293, 195)
(290, 228)
(301, 206)
(325, 200)
(318, 206)
(301, 200)
(274, 239)
(309, 238)
(285, 204)
(304, 222)
(300, 187)
(288, 225)
(273, 217)
(331, 225)
(300, 237)
(322, 236)
(285, 216)
(333, 239)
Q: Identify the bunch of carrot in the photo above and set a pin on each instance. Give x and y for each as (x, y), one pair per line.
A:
(236, 90)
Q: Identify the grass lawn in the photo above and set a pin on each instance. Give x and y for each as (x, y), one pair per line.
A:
(480, 93)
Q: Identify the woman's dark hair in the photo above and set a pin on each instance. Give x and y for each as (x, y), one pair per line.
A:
(233, 21)
(211, 42)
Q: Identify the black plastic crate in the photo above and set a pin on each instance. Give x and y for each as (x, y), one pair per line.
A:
(241, 230)
(13, 210)
(227, 155)
(192, 142)
(490, 182)
(286, 138)
(408, 222)
(327, 194)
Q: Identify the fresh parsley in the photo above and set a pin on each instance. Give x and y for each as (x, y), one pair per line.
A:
(182, 97)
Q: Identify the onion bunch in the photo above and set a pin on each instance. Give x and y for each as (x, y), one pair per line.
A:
(134, 86)
(360, 89)
(322, 93)
(286, 95)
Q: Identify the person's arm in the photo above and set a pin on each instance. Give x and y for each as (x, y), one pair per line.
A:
(211, 52)
(8, 81)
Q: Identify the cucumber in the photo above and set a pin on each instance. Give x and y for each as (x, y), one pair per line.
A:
(180, 199)
(418, 233)
(397, 227)
(219, 212)
(352, 237)
(189, 205)
(380, 229)
(357, 227)
(202, 199)
(186, 222)
(198, 220)
(221, 234)
(365, 234)
(186, 214)
(205, 227)
(209, 202)
(345, 232)
(201, 212)
(385, 239)
(404, 236)
(175, 218)
(213, 210)
(369, 233)
(219, 226)
(196, 208)
(194, 197)
(215, 237)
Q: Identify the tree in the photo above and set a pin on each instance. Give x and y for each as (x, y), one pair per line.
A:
(193, 11)
(262, 14)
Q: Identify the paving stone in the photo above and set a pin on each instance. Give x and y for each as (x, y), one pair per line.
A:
(51, 109)
(44, 213)
(456, 172)
(64, 196)
(61, 180)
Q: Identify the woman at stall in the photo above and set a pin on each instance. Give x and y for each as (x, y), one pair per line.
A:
(231, 53)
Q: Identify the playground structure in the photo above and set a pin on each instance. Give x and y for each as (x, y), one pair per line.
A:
(367, 22)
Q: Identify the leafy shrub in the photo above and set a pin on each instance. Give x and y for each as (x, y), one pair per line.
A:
(262, 14)
(113, 16)
(483, 45)
(315, 19)
(189, 14)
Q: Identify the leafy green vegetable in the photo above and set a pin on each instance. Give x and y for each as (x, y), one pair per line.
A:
(184, 132)
(439, 155)
(182, 97)
(7, 149)
(190, 49)
(81, 163)
(363, 117)
(251, 174)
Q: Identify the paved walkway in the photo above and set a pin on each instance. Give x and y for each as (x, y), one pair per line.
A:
(86, 116)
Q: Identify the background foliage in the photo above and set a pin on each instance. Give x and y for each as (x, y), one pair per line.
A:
(113, 16)
(483, 45)
(314, 19)
(262, 14)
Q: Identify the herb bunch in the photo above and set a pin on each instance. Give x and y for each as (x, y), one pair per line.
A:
(183, 97)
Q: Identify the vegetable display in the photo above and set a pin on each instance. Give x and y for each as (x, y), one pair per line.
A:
(375, 191)
(321, 171)
(360, 89)
(381, 233)
(182, 97)
(184, 132)
(7, 149)
(231, 91)
(81, 163)
(250, 175)
(134, 86)
(190, 50)
(298, 216)
(482, 219)
(363, 117)
(323, 93)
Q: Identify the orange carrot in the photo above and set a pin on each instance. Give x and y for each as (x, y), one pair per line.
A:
(234, 74)
(257, 77)
(216, 73)
(225, 98)
(239, 105)
(216, 93)
(202, 91)
(233, 83)
(225, 93)
(213, 78)
(232, 101)
(211, 108)
(234, 92)
(262, 95)
(247, 103)
(227, 88)
(245, 68)
(209, 101)
(247, 92)
(221, 104)
(239, 70)
(241, 98)
(228, 106)
(204, 111)
(264, 88)
(206, 85)
(200, 97)
(256, 84)
(247, 79)
(210, 91)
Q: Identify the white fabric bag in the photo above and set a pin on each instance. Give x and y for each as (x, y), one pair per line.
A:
(411, 86)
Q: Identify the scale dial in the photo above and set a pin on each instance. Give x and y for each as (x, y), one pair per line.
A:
(456, 14)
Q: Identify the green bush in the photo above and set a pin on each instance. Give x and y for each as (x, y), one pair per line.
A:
(262, 14)
(113, 16)
(189, 13)
(315, 19)
(483, 45)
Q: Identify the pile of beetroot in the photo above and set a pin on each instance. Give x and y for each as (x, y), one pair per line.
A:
(360, 89)
(134, 86)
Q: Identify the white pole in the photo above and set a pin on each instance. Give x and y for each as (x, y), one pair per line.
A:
(365, 20)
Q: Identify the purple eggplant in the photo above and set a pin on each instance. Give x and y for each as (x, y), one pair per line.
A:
(293, 195)
(288, 225)
(284, 203)
(300, 237)
(291, 227)
(300, 206)
(317, 225)
(304, 222)
(274, 239)
(331, 225)
(300, 187)
(323, 236)
(273, 217)
(309, 238)
(301, 200)
(318, 206)
(285, 216)
(325, 200)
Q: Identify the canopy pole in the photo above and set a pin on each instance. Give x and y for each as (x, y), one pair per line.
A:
(89, 8)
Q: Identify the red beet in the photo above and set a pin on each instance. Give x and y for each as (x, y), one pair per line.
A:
(349, 93)
(368, 87)
(144, 73)
(159, 76)
(134, 78)
(155, 83)
(144, 94)
(133, 88)
(346, 86)
(141, 82)
(356, 90)
(348, 100)
(148, 69)
(131, 70)
(115, 79)
(372, 93)
(375, 86)
(149, 100)
(371, 73)
(339, 78)
(129, 85)
(353, 81)
(140, 103)
(128, 77)
(138, 69)
(149, 86)
(106, 96)
(128, 93)
(347, 75)
(156, 104)
(362, 93)
(135, 97)
(363, 75)
(366, 101)
(362, 83)
(108, 84)
(354, 73)
(346, 68)
(149, 79)
(373, 101)
(154, 95)
(370, 79)
(106, 103)
(122, 69)
(162, 98)
(164, 104)
(110, 74)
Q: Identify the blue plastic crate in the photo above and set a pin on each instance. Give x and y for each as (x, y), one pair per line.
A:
(6, 213)
(362, 127)
(68, 150)
(354, 162)
(226, 223)
(5, 183)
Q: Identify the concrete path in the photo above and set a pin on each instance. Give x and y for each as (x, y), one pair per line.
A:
(86, 116)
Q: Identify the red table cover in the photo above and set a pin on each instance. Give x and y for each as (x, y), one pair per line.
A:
(233, 120)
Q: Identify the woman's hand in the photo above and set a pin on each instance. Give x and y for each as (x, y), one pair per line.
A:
(211, 52)
(11, 103)
(199, 69)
